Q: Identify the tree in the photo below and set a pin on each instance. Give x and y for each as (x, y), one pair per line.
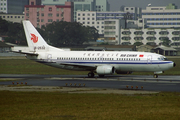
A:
(69, 33)
(16, 34)
(138, 43)
(166, 42)
(3, 27)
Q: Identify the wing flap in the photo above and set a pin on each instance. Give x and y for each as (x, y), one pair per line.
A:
(84, 66)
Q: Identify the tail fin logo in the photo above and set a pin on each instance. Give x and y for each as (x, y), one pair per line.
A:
(34, 38)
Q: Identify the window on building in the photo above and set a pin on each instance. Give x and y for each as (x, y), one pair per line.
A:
(62, 14)
(62, 9)
(57, 9)
(32, 3)
(42, 14)
(49, 14)
(50, 20)
(27, 14)
(50, 9)
(57, 14)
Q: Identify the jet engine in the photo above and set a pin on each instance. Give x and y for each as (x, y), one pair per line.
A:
(105, 70)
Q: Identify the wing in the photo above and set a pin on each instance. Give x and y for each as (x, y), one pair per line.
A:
(82, 66)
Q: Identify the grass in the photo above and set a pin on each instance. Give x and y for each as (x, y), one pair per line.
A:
(25, 66)
(61, 106)
(64, 106)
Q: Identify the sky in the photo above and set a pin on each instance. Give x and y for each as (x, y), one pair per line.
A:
(116, 4)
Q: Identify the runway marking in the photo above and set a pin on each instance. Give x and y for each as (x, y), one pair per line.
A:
(132, 80)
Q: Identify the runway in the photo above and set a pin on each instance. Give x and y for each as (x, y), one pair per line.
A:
(124, 82)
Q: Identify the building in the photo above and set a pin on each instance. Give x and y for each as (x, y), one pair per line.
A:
(40, 15)
(112, 29)
(145, 48)
(3, 6)
(153, 36)
(34, 2)
(15, 18)
(53, 2)
(102, 5)
(82, 5)
(167, 51)
(111, 48)
(96, 19)
(13, 6)
(136, 12)
(162, 17)
(110, 23)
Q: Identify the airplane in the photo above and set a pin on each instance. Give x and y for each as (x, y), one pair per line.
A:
(99, 62)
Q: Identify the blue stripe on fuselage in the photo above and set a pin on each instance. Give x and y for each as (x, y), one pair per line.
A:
(106, 62)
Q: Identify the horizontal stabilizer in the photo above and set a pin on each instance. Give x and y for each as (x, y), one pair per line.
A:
(23, 50)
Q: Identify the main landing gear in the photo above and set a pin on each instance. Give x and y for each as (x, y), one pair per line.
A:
(155, 76)
(90, 74)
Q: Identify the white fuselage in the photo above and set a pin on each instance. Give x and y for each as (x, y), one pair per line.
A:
(122, 61)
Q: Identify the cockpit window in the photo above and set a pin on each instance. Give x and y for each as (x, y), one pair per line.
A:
(165, 59)
(162, 58)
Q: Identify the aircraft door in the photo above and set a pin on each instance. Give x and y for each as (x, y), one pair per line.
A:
(49, 57)
(101, 58)
(149, 59)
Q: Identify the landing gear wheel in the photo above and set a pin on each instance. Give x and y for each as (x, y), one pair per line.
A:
(91, 74)
(155, 76)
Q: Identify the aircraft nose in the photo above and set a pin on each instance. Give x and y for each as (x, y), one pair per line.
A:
(174, 64)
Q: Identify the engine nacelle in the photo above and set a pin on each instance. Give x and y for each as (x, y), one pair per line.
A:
(123, 72)
(105, 70)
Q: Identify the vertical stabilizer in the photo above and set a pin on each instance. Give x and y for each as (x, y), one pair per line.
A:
(34, 39)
